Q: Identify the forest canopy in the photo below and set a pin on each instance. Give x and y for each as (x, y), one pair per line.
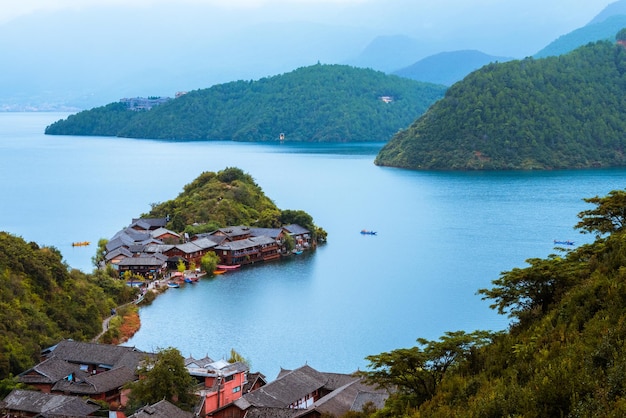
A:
(319, 103)
(42, 302)
(552, 113)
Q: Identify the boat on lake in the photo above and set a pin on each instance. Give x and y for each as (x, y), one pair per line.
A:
(567, 242)
(173, 284)
(80, 244)
(228, 267)
(366, 232)
(216, 272)
(188, 280)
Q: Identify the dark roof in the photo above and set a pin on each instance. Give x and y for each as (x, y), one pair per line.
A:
(118, 251)
(38, 402)
(98, 383)
(267, 232)
(161, 409)
(241, 244)
(350, 397)
(149, 223)
(271, 413)
(105, 355)
(49, 371)
(289, 387)
(143, 260)
(234, 231)
(295, 229)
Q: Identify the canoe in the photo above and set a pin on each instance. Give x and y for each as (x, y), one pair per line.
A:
(172, 284)
(228, 267)
(219, 272)
(80, 244)
(366, 232)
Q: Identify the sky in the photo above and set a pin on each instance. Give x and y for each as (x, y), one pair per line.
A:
(56, 47)
(554, 10)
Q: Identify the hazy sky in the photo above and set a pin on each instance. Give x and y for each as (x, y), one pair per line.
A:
(555, 10)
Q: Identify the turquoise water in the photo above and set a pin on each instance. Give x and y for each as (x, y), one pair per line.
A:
(441, 237)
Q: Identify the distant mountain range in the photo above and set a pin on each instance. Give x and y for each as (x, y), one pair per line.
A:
(551, 113)
(80, 58)
(448, 67)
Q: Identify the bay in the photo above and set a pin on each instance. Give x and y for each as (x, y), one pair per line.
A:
(441, 237)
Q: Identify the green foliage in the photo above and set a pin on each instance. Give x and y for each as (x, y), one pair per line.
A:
(101, 121)
(41, 302)
(209, 262)
(565, 356)
(552, 113)
(163, 376)
(320, 103)
(228, 197)
(608, 216)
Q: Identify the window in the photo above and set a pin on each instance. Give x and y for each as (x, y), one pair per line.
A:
(236, 389)
(229, 378)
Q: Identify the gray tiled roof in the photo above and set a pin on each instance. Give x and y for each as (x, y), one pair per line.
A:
(98, 383)
(288, 388)
(143, 260)
(242, 244)
(97, 354)
(296, 229)
(48, 371)
(161, 409)
(34, 402)
(267, 232)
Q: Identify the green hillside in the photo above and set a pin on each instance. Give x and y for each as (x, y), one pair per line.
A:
(42, 302)
(564, 355)
(320, 103)
(552, 113)
(226, 198)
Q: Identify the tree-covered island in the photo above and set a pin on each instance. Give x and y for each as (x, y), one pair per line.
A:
(319, 103)
(552, 113)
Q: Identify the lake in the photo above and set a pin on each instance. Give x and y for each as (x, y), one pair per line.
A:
(441, 237)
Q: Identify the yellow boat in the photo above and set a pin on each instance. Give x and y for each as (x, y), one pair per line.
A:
(80, 244)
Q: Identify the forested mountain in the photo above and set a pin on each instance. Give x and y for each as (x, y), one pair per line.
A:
(448, 67)
(551, 113)
(320, 103)
(42, 302)
(227, 198)
(563, 356)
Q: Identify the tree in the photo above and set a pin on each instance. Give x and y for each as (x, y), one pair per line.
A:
(98, 258)
(208, 262)
(163, 376)
(417, 372)
(236, 357)
(609, 215)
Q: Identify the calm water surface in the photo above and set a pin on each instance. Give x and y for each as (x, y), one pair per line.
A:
(441, 237)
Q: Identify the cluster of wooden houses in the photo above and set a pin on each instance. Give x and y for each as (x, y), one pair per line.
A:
(147, 248)
(72, 376)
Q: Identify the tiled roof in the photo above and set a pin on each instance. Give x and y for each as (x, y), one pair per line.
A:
(118, 251)
(34, 402)
(288, 388)
(48, 371)
(349, 397)
(97, 354)
(152, 223)
(161, 409)
(296, 229)
(143, 260)
(267, 232)
(245, 243)
(98, 383)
